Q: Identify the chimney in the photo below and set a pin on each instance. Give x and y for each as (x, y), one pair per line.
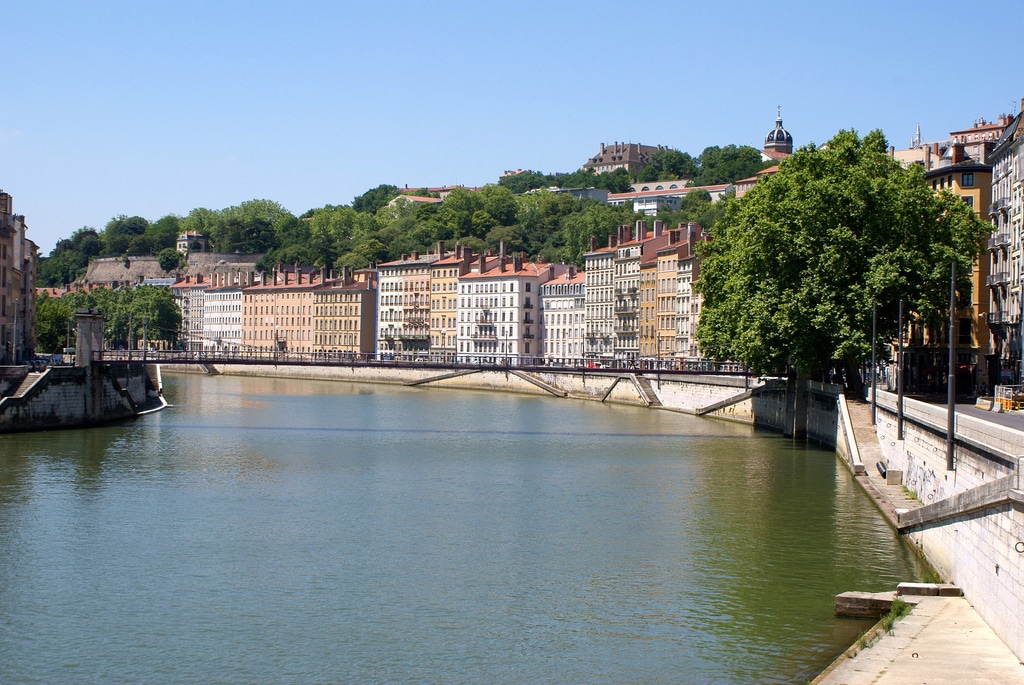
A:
(483, 262)
(415, 256)
(572, 271)
(593, 243)
(641, 229)
(956, 153)
(659, 227)
(440, 248)
(612, 241)
(517, 263)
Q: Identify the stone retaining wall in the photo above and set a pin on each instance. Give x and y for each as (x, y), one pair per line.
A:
(979, 543)
(67, 396)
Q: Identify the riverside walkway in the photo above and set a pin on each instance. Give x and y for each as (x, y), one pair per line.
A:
(943, 640)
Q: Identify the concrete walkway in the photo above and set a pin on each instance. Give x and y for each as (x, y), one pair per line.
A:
(943, 639)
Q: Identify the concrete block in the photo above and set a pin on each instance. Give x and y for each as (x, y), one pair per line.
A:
(946, 590)
(893, 477)
(921, 589)
(863, 604)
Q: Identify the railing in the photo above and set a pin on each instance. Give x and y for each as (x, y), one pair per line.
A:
(418, 358)
(1001, 239)
(997, 279)
(995, 318)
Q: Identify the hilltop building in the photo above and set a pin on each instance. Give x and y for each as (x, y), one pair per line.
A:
(629, 156)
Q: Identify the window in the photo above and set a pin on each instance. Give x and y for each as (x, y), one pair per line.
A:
(968, 200)
(967, 180)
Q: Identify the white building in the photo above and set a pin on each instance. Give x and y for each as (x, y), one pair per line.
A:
(1006, 273)
(564, 316)
(499, 311)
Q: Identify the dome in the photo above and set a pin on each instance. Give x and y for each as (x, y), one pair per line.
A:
(779, 139)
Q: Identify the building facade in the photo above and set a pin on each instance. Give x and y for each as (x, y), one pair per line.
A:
(403, 307)
(18, 259)
(1006, 253)
(345, 315)
(564, 308)
(277, 312)
(444, 301)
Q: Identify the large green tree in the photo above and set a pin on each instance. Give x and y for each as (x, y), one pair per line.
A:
(796, 264)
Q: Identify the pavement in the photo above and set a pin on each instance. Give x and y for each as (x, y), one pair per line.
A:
(943, 639)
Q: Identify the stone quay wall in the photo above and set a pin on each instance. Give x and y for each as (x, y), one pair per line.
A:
(722, 396)
(67, 397)
(971, 528)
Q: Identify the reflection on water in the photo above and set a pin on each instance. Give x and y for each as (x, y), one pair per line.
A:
(295, 531)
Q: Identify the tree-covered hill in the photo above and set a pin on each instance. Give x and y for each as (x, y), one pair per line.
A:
(379, 225)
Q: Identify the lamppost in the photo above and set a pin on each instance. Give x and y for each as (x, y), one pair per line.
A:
(16, 336)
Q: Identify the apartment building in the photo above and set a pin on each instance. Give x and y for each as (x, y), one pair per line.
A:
(18, 259)
(1006, 254)
(403, 307)
(190, 295)
(633, 247)
(688, 300)
(564, 316)
(345, 314)
(599, 264)
(499, 310)
(444, 297)
(277, 312)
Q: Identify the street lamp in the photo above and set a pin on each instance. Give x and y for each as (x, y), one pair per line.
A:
(16, 336)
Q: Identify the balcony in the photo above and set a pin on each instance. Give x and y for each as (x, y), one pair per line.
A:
(528, 336)
(528, 305)
(1001, 239)
(997, 279)
(996, 318)
(409, 335)
(484, 336)
(999, 205)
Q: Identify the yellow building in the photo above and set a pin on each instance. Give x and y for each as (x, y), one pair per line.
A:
(444, 300)
(971, 181)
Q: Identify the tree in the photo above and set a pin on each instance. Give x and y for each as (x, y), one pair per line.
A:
(728, 164)
(795, 265)
(667, 164)
(168, 259)
(54, 323)
(375, 198)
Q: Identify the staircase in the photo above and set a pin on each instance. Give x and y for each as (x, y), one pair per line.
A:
(647, 392)
(26, 383)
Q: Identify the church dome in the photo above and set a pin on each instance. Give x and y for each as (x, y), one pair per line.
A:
(779, 139)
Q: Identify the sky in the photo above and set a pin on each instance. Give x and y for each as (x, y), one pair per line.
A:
(153, 108)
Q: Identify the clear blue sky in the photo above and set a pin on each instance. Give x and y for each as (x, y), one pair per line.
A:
(155, 108)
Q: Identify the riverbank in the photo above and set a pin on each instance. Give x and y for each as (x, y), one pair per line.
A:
(943, 639)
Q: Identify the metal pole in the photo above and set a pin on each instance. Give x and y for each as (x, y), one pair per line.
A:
(874, 364)
(899, 377)
(951, 372)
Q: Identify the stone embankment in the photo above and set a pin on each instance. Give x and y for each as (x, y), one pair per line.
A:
(76, 396)
(971, 525)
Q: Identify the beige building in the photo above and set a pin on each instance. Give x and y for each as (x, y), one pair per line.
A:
(344, 315)
(647, 303)
(444, 297)
(403, 307)
(18, 259)
(277, 313)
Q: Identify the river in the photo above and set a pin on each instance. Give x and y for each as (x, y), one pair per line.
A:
(286, 531)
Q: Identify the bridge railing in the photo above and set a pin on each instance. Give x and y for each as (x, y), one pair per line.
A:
(421, 359)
